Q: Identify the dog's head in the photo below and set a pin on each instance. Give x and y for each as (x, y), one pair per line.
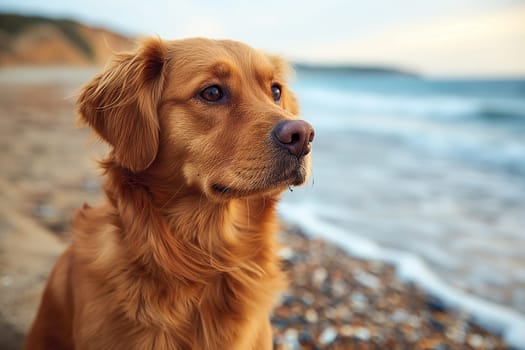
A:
(214, 116)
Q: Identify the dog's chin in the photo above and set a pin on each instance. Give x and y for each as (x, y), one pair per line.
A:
(268, 186)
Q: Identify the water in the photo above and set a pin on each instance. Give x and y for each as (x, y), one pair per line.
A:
(434, 168)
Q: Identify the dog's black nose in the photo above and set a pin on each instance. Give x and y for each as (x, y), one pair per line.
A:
(295, 136)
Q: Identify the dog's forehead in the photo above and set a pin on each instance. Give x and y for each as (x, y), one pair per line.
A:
(220, 57)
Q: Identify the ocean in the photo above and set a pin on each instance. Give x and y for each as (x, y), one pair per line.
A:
(432, 170)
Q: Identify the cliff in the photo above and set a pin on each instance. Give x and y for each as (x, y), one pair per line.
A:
(32, 40)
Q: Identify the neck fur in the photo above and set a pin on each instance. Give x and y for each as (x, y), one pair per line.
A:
(186, 237)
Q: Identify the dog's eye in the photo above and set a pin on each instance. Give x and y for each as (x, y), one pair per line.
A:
(212, 93)
(276, 92)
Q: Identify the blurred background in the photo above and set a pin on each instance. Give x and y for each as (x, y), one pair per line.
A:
(418, 106)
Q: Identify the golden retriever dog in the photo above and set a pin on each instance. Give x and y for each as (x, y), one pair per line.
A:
(204, 138)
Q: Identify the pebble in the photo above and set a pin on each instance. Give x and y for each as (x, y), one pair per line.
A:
(319, 276)
(399, 316)
(413, 321)
(457, 332)
(339, 288)
(311, 316)
(347, 331)
(308, 298)
(358, 301)
(328, 336)
(362, 333)
(475, 340)
(367, 279)
(291, 339)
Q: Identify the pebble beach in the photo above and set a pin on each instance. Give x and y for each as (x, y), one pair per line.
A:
(335, 301)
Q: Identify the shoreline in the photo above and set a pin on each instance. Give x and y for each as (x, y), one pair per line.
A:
(410, 269)
(338, 301)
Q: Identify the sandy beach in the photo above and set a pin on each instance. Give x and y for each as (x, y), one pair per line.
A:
(48, 169)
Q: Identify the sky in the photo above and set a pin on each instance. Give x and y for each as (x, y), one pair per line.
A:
(440, 38)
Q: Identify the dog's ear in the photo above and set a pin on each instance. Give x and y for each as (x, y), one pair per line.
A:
(121, 104)
(285, 70)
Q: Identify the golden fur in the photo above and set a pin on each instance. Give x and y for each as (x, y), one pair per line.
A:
(182, 254)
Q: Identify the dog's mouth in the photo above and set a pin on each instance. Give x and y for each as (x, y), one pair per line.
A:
(293, 175)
